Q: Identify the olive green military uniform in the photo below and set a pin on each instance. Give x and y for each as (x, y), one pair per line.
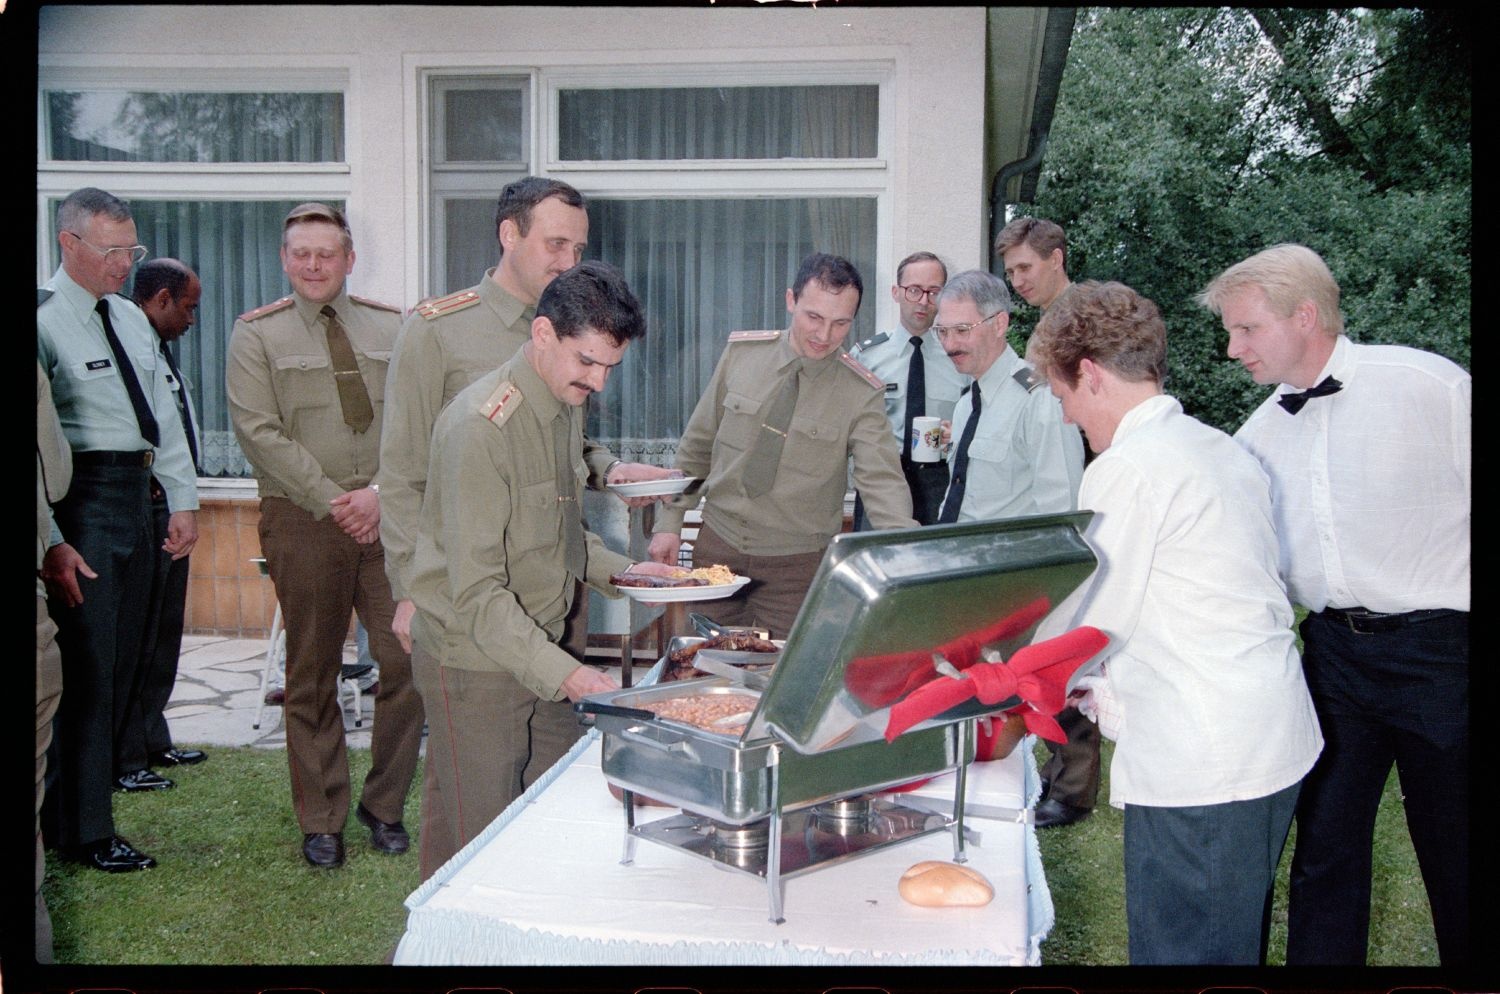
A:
(289, 420)
(778, 539)
(446, 344)
(54, 468)
(492, 588)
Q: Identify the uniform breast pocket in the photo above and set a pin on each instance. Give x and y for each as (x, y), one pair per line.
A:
(304, 381)
(534, 525)
(94, 369)
(377, 363)
(814, 444)
(993, 449)
(740, 425)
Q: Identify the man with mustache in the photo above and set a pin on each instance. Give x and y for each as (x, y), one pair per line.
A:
(773, 435)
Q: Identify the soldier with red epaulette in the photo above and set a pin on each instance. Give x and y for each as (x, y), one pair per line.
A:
(306, 384)
(772, 436)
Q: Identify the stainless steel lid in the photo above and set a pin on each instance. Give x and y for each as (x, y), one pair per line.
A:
(882, 603)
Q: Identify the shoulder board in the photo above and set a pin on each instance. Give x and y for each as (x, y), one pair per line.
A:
(438, 306)
(42, 295)
(271, 308)
(502, 403)
(1026, 376)
(379, 305)
(861, 371)
(870, 343)
(754, 336)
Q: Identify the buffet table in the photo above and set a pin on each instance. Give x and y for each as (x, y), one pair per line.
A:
(543, 886)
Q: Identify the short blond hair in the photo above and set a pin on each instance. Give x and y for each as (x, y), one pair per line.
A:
(1288, 274)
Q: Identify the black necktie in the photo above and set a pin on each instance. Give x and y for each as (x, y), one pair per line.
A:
(1294, 402)
(182, 405)
(955, 498)
(143, 416)
(916, 392)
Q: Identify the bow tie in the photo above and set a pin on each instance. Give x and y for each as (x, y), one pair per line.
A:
(1293, 402)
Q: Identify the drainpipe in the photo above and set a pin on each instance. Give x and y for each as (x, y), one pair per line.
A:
(1038, 144)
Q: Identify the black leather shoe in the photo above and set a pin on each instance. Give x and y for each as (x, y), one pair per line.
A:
(178, 757)
(112, 855)
(323, 849)
(1052, 813)
(142, 780)
(388, 837)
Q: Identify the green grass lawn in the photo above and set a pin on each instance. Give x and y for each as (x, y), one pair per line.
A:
(231, 887)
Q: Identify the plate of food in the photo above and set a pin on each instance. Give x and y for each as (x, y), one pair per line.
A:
(653, 488)
(706, 583)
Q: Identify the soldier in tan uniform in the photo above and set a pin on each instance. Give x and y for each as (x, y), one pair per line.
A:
(773, 435)
(448, 343)
(500, 548)
(306, 378)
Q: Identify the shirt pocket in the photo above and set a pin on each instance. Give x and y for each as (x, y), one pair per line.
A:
(94, 369)
(303, 381)
(994, 450)
(377, 365)
(813, 446)
(535, 524)
(740, 425)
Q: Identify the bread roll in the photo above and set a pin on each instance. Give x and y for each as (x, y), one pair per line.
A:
(933, 884)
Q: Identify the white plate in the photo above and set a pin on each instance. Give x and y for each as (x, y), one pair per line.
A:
(653, 488)
(672, 595)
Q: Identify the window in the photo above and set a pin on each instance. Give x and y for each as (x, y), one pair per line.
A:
(210, 168)
(706, 196)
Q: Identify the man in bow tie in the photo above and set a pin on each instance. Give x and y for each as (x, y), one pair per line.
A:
(1368, 450)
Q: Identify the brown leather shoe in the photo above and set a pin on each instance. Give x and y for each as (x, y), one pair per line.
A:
(325, 850)
(388, 837)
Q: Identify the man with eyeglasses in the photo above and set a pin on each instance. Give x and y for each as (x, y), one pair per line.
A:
(116, 403)
(907, 356)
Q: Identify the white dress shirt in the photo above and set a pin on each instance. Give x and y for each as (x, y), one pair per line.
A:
(1024, 459)
(1202, 661)
(888, 356)
(1370, 485)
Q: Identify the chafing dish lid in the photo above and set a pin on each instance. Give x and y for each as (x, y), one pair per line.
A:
(882, 602)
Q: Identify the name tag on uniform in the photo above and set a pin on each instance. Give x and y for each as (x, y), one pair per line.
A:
(892, 387)
(97, 364)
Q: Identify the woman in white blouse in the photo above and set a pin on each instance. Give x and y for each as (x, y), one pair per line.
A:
(1203, 689)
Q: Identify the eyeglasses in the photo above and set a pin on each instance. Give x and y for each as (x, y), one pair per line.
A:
(915, 293)
(135, 252)
(963, 329)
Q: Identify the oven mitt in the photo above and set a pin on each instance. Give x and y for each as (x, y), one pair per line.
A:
(1037, 673)
(877, 681)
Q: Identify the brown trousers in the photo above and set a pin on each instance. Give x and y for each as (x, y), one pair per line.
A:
(321, 575)
(48, 693)
(778, 585)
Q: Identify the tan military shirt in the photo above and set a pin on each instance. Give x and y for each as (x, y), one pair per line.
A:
(488, 576)
(54, 470)
(840, 414)
(284, 404)
(445, 345)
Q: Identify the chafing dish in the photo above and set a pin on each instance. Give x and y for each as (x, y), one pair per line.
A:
(796, 789)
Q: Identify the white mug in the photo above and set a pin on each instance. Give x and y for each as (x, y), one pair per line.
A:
(926, 439)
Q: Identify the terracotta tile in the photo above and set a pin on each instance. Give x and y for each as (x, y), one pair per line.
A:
(227, 606)
(201, 614)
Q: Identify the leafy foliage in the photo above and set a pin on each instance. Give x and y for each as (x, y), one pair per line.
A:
(1188, 139)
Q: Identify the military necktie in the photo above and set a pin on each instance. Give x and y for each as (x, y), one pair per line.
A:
(916, 392)
(354, 398)
(143, 416)
(182, 406)
(1294, 402)
(574, 558)
(776, 419)
(955, 498)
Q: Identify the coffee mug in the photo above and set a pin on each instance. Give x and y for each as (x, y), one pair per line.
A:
(926, 439)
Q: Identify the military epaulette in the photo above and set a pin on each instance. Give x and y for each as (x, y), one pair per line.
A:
(438, 306)
(43, 295)
(502, 403)
(378, 304)
(754, 336)
(861, 371)
(271, 308)
(870, 343)
(1026, 376)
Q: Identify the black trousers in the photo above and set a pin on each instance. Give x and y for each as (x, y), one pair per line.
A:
(145, 729)
(928, 482)
(1397, 697)
(106, 517)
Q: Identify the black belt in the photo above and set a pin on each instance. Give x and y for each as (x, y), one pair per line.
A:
(99, 457)
(910, 464)
(1363, 622)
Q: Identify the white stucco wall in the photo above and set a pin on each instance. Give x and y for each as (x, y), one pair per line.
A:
(934, 58)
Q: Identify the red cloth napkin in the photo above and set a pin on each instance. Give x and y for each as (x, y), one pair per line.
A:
(1037, 673)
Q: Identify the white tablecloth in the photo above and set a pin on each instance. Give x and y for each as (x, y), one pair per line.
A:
(543, 886)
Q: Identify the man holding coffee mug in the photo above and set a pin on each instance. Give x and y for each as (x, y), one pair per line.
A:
(1012, 453)
(921, 384)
